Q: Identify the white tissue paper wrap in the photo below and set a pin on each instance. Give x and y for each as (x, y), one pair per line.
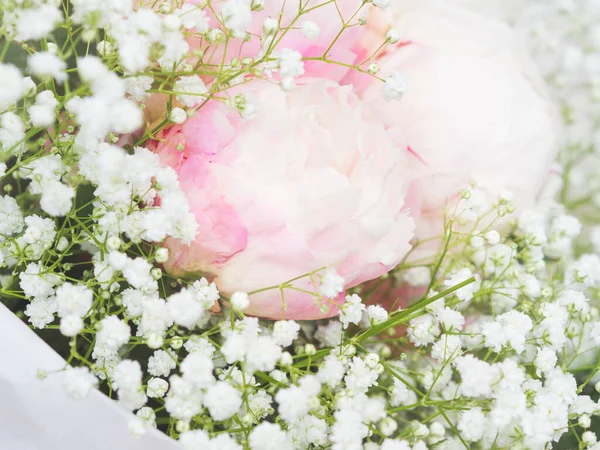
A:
(37, 414)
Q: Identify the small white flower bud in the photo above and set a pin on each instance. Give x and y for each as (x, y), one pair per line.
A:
(373, 68)
(278, 375)
(154, 341)
(178, 115)
(584, 421)
(240, 301)
(161, 255)
(113, 243)
(182, 426)
(257, 5)
(215, 35)
(288, 84)
(156, 273)
(29, 87)
(247, 419)
(349, 350)
(71, 325)
(270, 25)
(371, 360)
(420, 430)
(392, 36)
(437, 429)
(589, 438)
(310, 349)
(493, 237)
(385, 351)
(286, 359)
(388, 426)
(176, 342)
(62, 244)
(157, 388)
(164, 8)
(104, 48)
(311, 30)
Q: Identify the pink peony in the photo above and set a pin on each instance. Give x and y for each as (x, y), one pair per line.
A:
(476, 108)
(312, 181)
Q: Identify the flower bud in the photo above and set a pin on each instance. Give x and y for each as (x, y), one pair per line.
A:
(62, 244)
(247, 419)
(310, 349)
(371, 360)
(154, 341)
(279, 376)
(286, 359)
(589, 438)
(240, 301)
(392, 36)
(215, 35)
(420, 430)
(178, 116)
(257, 5)
(156, 273)
(113, 243)
(437, 429)
(270, 25)
(29, 87)
(492, 237)
(182, 426)
(584, 421)
(164, 8)
(388, 426)
(176, 342)
(288, 84)
(104, 48)
(52, 48)
(161, 255)
(349, 350)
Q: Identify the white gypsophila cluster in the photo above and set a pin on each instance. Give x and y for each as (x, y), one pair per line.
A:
(342, 391)
(25, 21)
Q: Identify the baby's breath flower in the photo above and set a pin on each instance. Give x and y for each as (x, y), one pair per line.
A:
(395, 87)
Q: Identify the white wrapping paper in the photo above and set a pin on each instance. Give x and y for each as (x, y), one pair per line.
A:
(38, 415)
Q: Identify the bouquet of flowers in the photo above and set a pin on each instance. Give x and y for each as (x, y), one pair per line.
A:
(299, 224)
